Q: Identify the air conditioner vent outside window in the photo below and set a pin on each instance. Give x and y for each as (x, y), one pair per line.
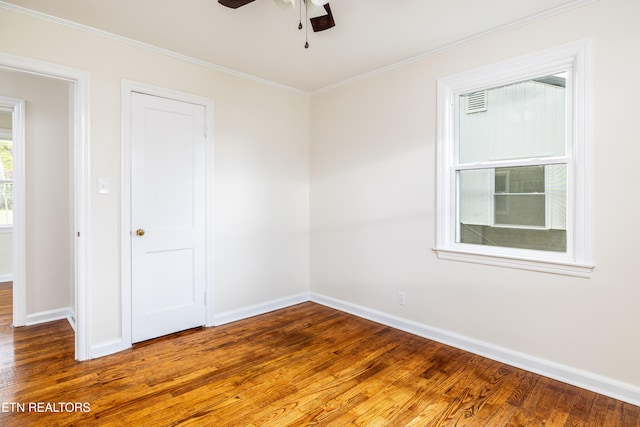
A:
(477, 102)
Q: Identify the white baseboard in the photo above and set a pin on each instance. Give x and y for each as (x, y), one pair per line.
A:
(50, 316)
(105, 349)
(71, 317)
(255, 310)
(6, 278)
(579, 378)
(118, 345)
(567, 374)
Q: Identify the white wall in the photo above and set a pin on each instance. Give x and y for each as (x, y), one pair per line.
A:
(5, 120)
(261, 156)
(6, 239)
(373, 181)
(48, 282)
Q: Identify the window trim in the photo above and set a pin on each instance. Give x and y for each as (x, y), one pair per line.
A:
(577, 261)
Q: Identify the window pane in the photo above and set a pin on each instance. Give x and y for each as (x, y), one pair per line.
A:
(6, 186)
(523, 179)
(520, 209)
(6, 203)
(520, 196)
(517, 207)
(521, 120)
(522, 238)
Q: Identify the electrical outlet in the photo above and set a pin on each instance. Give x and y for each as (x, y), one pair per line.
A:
(402, 298)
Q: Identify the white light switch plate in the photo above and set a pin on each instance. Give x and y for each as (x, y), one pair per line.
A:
(104, 186)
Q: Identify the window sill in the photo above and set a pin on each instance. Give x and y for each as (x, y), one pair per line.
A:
(6, 229)
(554, 267)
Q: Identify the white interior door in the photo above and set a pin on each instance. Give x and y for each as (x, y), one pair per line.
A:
(167, 216)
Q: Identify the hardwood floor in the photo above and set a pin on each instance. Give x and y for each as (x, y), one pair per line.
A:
(304, 365)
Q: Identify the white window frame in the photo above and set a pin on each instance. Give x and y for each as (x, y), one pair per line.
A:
(576, 261)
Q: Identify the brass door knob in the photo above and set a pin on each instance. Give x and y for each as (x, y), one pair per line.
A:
(140, 232)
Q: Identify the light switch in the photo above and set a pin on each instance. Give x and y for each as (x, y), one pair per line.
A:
(104, 186)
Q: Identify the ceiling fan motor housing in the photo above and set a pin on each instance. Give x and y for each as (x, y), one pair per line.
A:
(234, 4)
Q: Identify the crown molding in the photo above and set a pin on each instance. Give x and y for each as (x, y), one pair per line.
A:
(502, 29)
(145, 46)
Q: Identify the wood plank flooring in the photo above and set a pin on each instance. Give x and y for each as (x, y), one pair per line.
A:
(306, 365)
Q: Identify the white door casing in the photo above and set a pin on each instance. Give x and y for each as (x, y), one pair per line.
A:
(80, 101)
(168, 222)
(18, 268)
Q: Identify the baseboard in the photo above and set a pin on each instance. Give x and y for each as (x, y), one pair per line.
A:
(115, 346)
(255, 310)
(71, 318)
(6, 278)
(50, 316)
(106, 349)
(567, 374)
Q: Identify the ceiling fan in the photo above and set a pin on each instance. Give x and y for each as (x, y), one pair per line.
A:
(317, 11)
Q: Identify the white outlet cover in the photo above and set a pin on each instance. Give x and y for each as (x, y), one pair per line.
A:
(402, 298)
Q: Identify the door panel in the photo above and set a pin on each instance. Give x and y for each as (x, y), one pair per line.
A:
(167, 217)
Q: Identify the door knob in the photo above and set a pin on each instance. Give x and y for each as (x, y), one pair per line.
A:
(140, 232)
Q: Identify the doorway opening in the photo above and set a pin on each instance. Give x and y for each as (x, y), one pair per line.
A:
(6, 191)
(71, 176)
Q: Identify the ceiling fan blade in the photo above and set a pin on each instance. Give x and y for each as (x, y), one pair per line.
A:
(324, 22)
(234, 4)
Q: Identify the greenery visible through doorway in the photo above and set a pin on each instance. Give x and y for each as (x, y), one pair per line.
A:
(6, 170)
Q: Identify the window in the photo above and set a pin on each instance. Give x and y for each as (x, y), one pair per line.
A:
(512, 159)
(6, 170)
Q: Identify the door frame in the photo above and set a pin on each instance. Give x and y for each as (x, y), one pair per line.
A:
(129, 87)
(18, 240)
(80, 101)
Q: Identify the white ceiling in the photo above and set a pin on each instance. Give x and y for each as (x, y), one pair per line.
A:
(263, 40)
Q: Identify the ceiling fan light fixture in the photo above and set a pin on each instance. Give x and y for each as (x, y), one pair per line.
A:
(234, 4)
(315, 11)
(286, 4)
